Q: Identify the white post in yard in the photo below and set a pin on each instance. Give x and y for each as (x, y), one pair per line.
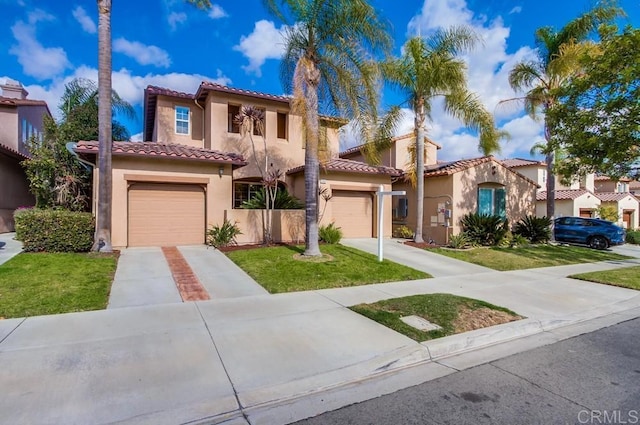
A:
(381, 194)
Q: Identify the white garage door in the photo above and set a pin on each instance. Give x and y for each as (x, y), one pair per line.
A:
(162, 214)
(353, 212)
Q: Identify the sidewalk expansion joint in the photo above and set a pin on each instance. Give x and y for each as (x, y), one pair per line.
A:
(186, 280)
(13, 330)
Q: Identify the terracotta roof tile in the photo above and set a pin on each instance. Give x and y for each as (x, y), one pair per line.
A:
(600, 177)
(452, 167)
(168, 92)
(206, 85)
(563, 195)
(163, 150)
(520, 162)
(10, 101)
(612, 196)
(341, 165)
(356, 149)
(14, 153)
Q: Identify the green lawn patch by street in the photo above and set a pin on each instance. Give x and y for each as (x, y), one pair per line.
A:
(34, 284)
(453, 313)
(529, 257)
(628, 277)
(276, 269)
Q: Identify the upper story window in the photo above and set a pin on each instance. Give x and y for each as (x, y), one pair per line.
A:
(622, 188)
(492, 201)
(282, 125)
(232, 112)
(182, 120)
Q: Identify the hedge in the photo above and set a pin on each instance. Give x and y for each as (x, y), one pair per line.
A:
(46, 230)
(633, 236)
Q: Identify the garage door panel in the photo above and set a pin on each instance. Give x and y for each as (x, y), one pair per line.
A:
(166, 214)
(353, 213)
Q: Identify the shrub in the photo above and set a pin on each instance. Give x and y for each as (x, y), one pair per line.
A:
(519, 240)
(536, 229)
(484, 229)
(403, 232)
(458, 241)
(46, 230)
(225, 235)
(633, 236)
(330, 233)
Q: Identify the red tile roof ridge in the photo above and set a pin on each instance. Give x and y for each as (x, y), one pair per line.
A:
(171, 150)
(564, 194)
(168, 92)
(452, 167)
(612, 196)
(204, 85)
(521, 162)
(358, 148)
(350, 166)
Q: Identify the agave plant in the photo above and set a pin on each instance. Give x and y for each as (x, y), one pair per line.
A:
(536, 229)
(484, 229)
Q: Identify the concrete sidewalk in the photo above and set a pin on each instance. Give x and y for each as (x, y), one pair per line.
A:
(269, 359)
(9, 247)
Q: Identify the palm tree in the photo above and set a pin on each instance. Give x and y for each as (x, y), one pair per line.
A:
(429, 69)
(327, 64)
(557, 62)
(102, 240)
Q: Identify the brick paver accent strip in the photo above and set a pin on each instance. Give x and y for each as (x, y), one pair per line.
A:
(187, 282)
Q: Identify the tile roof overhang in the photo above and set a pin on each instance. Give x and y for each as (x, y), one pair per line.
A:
(154, 150)
(449, 168)
(13, 102)
(6, 150)
(600, 177)
(565, 194)
(358, 148)
(340, 165)
(520, 162)
(612, 196)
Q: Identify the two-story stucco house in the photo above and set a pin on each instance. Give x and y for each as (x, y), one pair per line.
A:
(453, 189)
(195, 169)
(619, 195)
(20, 119)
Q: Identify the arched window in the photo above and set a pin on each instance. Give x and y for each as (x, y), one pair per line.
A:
(492, 200)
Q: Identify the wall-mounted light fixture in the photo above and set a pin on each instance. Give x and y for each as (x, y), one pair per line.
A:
(221, 170)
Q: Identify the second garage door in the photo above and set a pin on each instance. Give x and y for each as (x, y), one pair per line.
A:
(162, 214)
(353, 212)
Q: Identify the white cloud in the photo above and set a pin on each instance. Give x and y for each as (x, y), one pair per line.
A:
(516, 9)
(176, 18)
(84, 20)
(217, 12)
(130, 87)
(36, 60)
(142, 53)
(265, 42)
(136, 137)
(488, 70)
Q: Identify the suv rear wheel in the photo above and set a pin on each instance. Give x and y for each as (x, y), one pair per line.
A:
(598, 242)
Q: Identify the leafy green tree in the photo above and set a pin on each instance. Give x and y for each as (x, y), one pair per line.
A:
(557, 63)
(56, 178)
(597, 120)
(328, 65)
(429, 69)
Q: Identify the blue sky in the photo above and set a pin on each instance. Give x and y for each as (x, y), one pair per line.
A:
(45, 44)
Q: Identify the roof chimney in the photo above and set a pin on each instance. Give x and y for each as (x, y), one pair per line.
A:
(13, 89)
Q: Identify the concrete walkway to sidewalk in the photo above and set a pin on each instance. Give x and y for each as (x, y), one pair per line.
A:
(271, 359)
(9, 247)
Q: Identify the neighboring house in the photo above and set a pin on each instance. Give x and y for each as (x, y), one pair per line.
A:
(620, 195)
(195, 169)
(20, 119)
(574, 199)
(454, 189)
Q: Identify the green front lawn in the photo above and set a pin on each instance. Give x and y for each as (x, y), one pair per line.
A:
(529, 257)
(628, 277)
(276, 269)
(33, 284)
(453, 313)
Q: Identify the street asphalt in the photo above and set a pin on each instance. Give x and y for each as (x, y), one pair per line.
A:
(249, 357)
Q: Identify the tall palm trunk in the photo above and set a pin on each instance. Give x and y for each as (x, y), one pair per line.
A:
(419, 124)
(102, 240)
(311, 161)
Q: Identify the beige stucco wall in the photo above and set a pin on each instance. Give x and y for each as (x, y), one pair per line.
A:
(9, 127)
(568, 207)
(536, 173)
(288, 225)
(14, 191)
(629, 203)
(460, 190)
(218, 189)
(165, 128)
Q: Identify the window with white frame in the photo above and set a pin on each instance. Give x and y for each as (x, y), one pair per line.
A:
(182, 120)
